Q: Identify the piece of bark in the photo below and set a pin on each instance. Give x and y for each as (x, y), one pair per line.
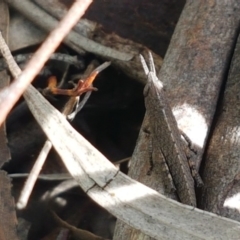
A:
(4, 81)
(192, 72)
(8, 220)
(148, 22)
(196, 63)
(222, 167)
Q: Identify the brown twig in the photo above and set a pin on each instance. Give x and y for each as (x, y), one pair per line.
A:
(80, 104)
(9, 95)
(82, 86)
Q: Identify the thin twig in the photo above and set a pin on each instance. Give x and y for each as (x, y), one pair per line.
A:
(9, 95)
(46, 177)
(80, 104)
(59, 176)
(61, 57)
(33, 176)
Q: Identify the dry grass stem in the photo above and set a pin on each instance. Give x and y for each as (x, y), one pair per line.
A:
(33, 176)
